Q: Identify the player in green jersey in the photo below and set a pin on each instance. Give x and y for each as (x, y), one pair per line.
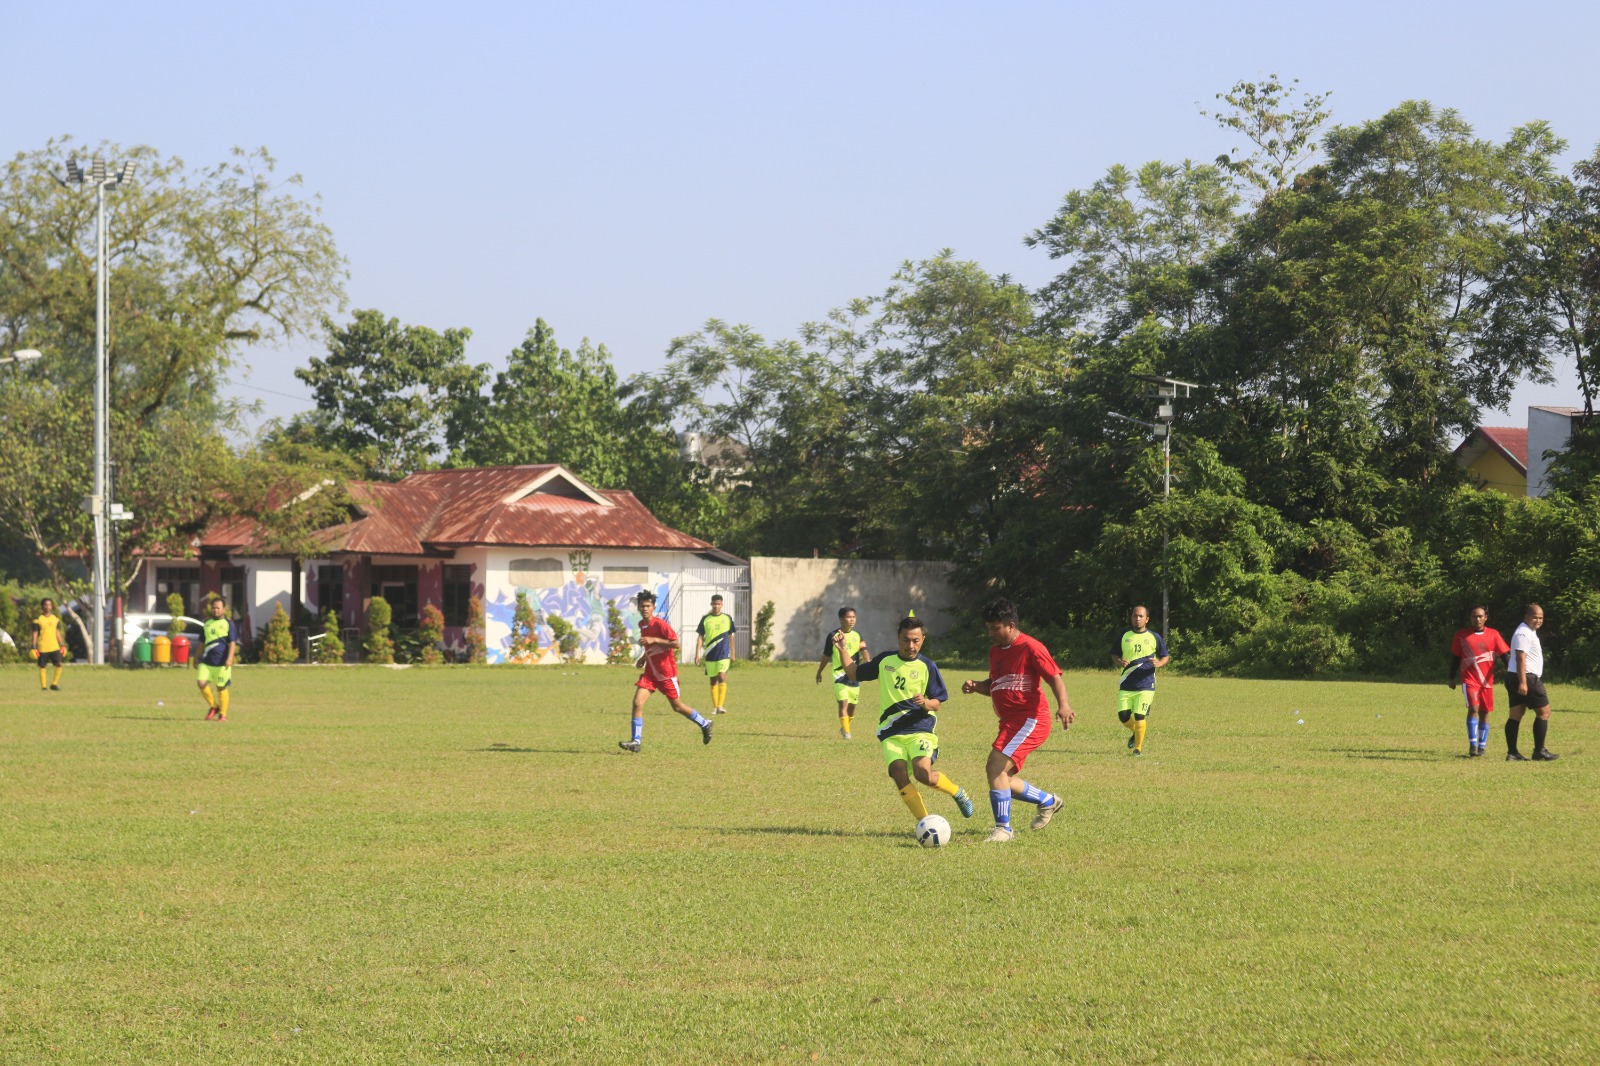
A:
(214, 664)
(714, 640)
(842, 645)
(912, 690)
(1142, 652)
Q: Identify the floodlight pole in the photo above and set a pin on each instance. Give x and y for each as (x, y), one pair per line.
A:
(99, 502)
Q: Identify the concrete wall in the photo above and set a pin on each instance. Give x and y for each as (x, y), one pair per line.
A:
(1549, 429)
(807, 595)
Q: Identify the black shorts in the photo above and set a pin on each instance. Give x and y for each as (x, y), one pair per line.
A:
(50, 657)
(1536, 695)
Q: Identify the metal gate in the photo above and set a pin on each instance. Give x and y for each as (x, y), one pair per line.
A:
(691, 591)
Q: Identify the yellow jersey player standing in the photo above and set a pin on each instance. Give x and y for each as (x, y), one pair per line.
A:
(714, 642)
(841, 646)
(47, 646)
(214, 666)
(1142, 653)
(912, 691)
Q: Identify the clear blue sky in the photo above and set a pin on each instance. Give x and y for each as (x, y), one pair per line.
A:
(627, 170)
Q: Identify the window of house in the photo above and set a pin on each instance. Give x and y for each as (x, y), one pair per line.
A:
(627, 575)
(457, 594)
(538, 573)
(330, 591)
(397, 585)
(185, 581)
(233, 589)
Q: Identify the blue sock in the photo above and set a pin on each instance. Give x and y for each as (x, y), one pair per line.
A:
(638, 729)
(1030, 794)
(1472, 729)
(694, 716)
(1001, 802)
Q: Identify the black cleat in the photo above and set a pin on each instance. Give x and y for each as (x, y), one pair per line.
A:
(55, 688)
(705, 733)
(629, 745)
(1543, 755)
(1473, 753)
(1516, 756)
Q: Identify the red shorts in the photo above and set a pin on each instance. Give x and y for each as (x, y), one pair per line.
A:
(1020, 735)
(667, 686)
(1478, 697)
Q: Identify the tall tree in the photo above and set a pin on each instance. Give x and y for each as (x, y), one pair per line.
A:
(201, 262)
(391, 392)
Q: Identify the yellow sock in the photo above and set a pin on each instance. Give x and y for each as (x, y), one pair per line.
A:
(43, 673)
(1138, 734)
(1128, 725)
(844, 723)
(222, 701)
(945, 785)
(914, 804)
(719, 693)
(205, 694)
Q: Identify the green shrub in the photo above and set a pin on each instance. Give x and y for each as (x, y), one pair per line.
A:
(378, 647)
(477, 642)
(430, 634)
(524, 630)
(621, 651)
(761, 640)
(278, 646)
(567, 636)
(330, 649)
(175, 609)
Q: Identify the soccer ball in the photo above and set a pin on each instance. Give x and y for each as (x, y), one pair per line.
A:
(933, 832)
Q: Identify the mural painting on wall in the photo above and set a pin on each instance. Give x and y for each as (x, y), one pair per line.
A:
(580, 601)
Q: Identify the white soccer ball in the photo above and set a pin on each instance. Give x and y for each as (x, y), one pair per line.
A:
(933, 832)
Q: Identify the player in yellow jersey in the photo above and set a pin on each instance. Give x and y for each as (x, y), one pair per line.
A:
(713, 645)
(843, 645)
(912, 691)
(1142, 652)
(47, 645)
(214, 664)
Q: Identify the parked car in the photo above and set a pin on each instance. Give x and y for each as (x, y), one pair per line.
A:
(133, 625)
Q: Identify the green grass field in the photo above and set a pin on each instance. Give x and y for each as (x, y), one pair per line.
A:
(455, 864)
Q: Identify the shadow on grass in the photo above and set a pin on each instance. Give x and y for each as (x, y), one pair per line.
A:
(806, 831)
(782, 736)
(158, 717)
(1396, 754)
(506, 750)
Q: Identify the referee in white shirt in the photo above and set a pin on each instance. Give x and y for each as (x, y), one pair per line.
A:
(1525, 687)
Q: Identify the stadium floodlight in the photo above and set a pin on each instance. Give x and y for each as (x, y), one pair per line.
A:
(100, 173)
(1166, 390)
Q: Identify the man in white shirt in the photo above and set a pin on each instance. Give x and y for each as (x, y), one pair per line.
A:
(1525, 687)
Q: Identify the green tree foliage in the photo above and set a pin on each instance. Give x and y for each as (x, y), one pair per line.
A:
(430, 633)
(177, 609)
(330, 649)
(567, 637)
(524, 629)
(378, 647)
(395, 396)
(278, 645)
(201, 262)
(10, 623)
(477, 643)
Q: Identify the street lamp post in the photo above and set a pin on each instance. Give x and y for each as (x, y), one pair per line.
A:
(1166, 390)
(22, 355)
(99, 502)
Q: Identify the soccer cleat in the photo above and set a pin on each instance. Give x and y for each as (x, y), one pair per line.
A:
(844, 734)
(999, 835)
(1473, 753)
(963, 801)
(1131, 740)
(705, 733)
(55, 688)
(1515, 756)
(720, 710)
(1544, 755)
(629, 745)
(1042, 819)
(211, 713)
(1139, 752)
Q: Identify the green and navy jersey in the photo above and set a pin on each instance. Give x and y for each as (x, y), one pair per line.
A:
(217, 633)
(898, 681)
(1141, 650)
(716, 631)
(852, 649)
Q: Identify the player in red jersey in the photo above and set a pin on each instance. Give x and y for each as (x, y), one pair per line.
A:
(1472, 656)
(1019, 667)
(660, 663)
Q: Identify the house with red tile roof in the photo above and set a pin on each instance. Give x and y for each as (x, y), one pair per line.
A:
(445, 536)
(1497, 458)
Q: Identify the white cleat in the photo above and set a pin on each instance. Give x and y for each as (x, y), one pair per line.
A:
(1042, 819)
(999, 835)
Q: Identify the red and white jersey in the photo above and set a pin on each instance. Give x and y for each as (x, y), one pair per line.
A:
(660, 660)
(1015, 673)
(1477, 652)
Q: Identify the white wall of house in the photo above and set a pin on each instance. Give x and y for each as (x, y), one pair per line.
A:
(1549, 430)
(806, 595)
(268, 583)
